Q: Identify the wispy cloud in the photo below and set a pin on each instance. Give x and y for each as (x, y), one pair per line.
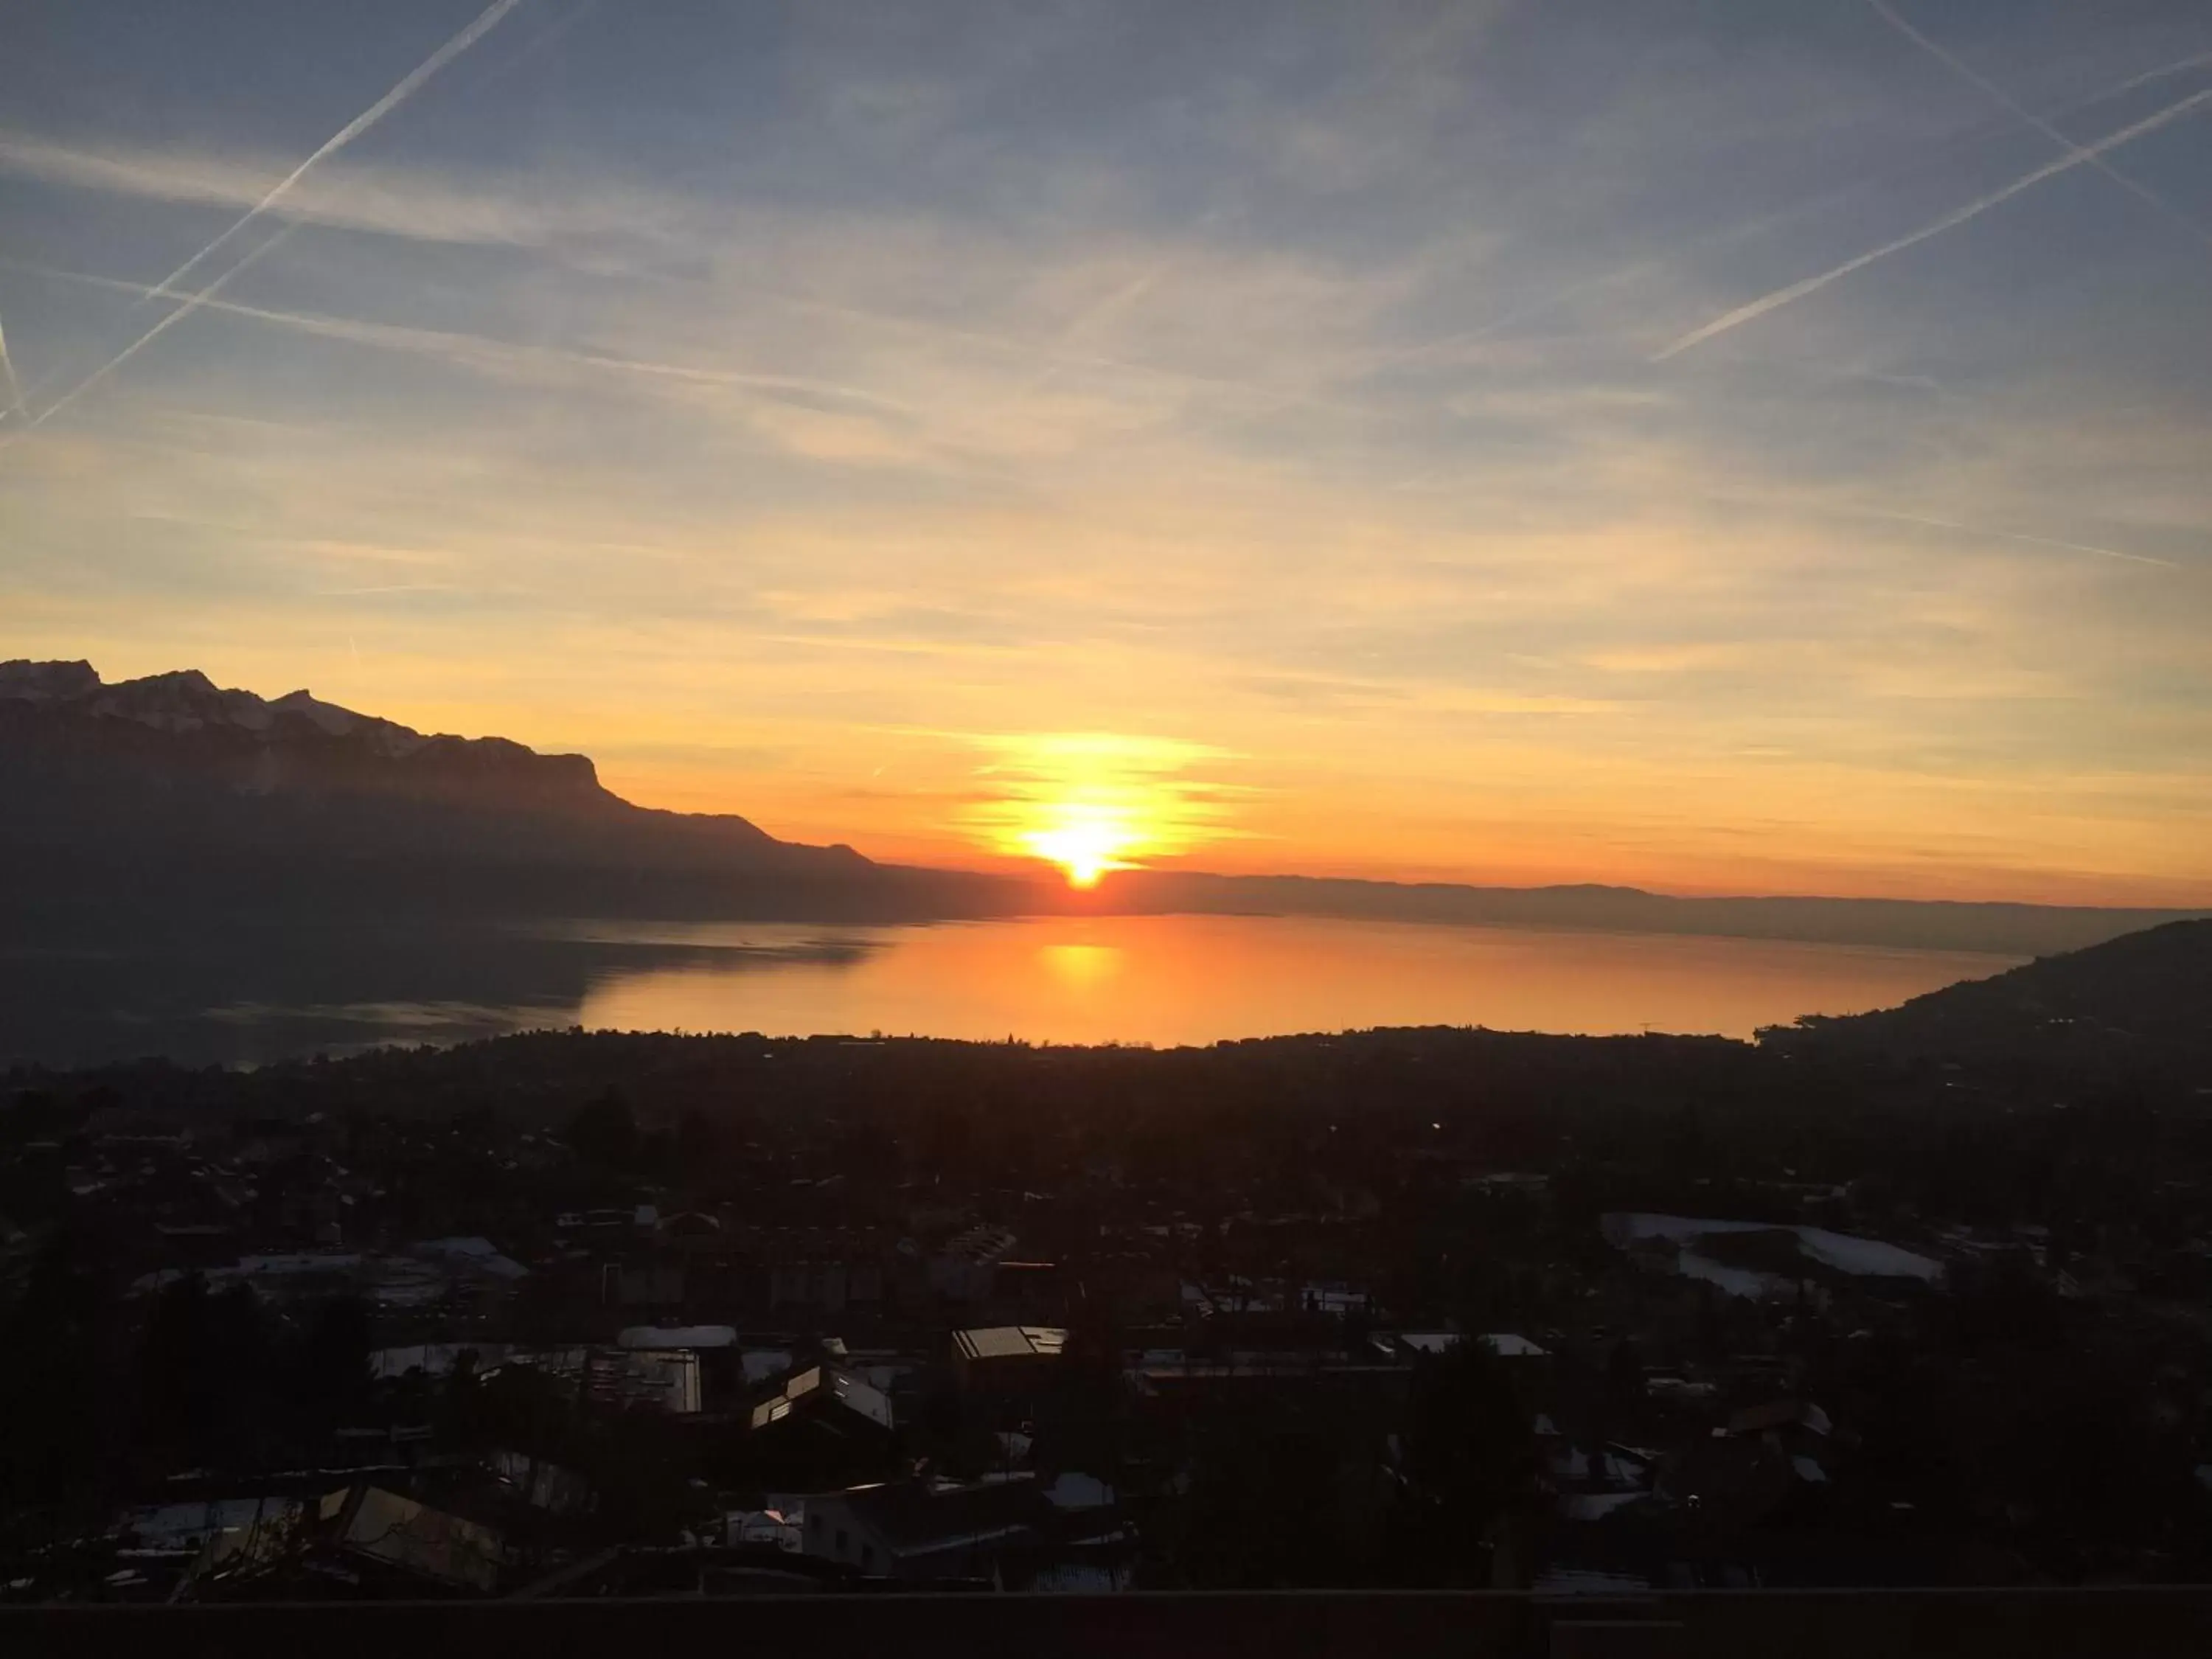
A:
(484, 354)
(781, 396)
(2077, 156)
(459, 204)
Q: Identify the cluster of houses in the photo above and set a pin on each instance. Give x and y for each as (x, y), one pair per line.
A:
(895, 1390)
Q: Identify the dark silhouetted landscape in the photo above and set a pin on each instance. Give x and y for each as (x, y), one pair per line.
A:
(1125, 828)
(169, 795)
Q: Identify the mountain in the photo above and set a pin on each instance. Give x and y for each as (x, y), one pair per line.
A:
(2143, 998)
(169, 796)
(182, 724)
(1996, 929)
(170, 791)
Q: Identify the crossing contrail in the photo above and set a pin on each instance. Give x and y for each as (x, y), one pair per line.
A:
(1553, 298)
(2075, 157)
(192, 302)
(405, 88)
(2158, 203)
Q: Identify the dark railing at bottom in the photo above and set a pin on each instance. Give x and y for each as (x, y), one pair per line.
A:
(2018, 1624)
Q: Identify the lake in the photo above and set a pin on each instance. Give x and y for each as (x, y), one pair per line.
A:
(247, 997)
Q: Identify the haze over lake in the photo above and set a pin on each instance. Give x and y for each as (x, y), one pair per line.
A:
(1160, 980)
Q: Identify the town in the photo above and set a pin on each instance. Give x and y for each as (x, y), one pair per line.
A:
(577, 1314)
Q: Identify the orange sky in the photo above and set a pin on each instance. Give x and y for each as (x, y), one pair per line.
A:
(1450, 444)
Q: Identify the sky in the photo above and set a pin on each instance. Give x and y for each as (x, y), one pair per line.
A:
(1717, 446)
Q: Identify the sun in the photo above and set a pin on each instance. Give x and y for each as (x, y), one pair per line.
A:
(1083, 838)
(1093, 802)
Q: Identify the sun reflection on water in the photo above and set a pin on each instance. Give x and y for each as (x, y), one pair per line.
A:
(1082, 967)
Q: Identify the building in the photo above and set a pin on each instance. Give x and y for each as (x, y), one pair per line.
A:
(370, 1522)
(826, 1399)
(1007, 1356)
(914, 1529)
(967, 1268)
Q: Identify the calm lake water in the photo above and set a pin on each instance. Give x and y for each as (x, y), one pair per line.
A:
(249, 999)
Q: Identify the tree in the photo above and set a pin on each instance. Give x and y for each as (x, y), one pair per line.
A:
(604, 1131)
(698, 1144)
(55, 1379)
(1623, 1376)
(1470, 1457)
(203, 1371)
(330, 1365)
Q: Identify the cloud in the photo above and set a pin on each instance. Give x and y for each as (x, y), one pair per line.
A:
(1065, 394)
(1097, 800)
(501, 358)
(455, 204)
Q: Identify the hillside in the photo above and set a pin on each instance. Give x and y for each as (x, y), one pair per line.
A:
(2146, 996)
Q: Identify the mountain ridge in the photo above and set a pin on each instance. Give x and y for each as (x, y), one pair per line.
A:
(169, 791)
(1982, 926)
(186, 703)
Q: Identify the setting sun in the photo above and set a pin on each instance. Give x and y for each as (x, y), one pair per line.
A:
(1091, 802)
(1087, 840)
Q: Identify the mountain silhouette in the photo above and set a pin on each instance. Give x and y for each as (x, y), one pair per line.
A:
(1995, 928)
(170, 791)
(171, 797)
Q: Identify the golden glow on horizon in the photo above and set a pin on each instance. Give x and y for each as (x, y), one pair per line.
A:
(1091, 802)
(880, 500)
(1084, 838)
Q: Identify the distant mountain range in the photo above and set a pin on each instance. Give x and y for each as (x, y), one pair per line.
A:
(169, 796)
(1998, 929)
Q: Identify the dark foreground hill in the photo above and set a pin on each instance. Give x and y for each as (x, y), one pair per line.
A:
(2145, 997)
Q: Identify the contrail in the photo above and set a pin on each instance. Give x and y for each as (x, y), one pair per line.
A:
(191, 302)
(476, 350)
(2165, 72)
(2158, 203)
(1980, 531)
(406, 87)
(1559, 295)
(2018, 536)
(2067, 163)
(14, 386)
(1073, 336)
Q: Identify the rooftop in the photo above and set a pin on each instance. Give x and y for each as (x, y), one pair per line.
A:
(1009, 1342)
